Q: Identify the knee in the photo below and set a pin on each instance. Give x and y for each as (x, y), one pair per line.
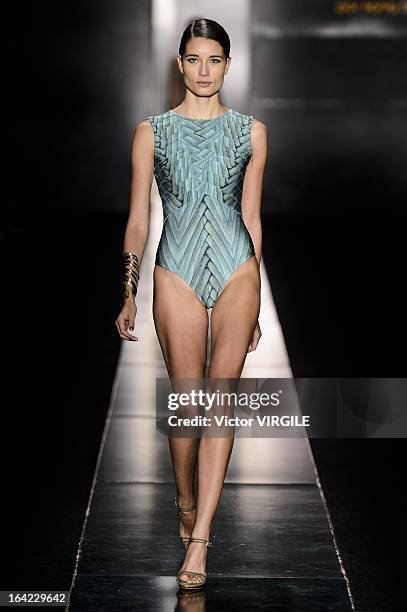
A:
(225, 368)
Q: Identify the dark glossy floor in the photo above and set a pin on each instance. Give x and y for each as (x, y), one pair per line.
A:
(272, 537)
(272, 550)
(64, 394)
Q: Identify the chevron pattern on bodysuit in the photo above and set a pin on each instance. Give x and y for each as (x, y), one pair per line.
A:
(199, 166)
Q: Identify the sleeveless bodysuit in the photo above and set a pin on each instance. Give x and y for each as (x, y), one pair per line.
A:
(199, 166)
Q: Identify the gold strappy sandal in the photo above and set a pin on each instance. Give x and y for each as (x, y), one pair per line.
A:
(184, 584)
(185, 541)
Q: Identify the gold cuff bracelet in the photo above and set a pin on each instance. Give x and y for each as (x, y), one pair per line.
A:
(131, 274)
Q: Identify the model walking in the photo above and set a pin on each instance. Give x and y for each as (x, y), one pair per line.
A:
(208, 162)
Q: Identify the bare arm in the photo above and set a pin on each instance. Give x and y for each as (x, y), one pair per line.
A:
(142, 166)
(137, 228)
(253, 185)
(251, 199)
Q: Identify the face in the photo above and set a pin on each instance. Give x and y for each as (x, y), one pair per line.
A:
(203, 66)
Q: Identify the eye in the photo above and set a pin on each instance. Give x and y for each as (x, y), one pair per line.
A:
(192, 60)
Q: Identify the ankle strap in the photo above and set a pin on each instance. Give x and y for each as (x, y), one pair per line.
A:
(178, 507)
(206, 542)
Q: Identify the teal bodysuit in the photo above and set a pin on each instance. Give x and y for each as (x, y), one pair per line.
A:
(199, 166)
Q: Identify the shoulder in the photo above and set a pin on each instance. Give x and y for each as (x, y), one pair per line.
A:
(143, 135)
(256, 126)
(258, 140)
(259, 127)
(155, 122)
(144, 128)
(259, 132)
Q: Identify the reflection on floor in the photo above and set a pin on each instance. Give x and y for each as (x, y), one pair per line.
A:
(273, 543)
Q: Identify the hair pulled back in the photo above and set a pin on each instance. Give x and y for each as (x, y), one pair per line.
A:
(207, 28)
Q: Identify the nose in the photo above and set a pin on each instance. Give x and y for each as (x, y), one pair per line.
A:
(203, 71)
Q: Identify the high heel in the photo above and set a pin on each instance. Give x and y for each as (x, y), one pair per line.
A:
(184, 584)
(185, 541)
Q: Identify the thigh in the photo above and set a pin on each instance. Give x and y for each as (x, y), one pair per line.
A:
(181, 322)
(233, 320)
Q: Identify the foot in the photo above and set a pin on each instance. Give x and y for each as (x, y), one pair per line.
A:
(186, 517)
(195, 561)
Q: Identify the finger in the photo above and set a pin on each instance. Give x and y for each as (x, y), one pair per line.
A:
(119, 329)
(126, 334)
(123, 333)
(130, 338)
(253, 344)
(131, 326)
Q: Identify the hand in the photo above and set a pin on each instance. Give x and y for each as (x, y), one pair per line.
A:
(255, 338)
(126, 319)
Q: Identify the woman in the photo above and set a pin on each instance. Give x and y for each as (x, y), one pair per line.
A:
(209, 163)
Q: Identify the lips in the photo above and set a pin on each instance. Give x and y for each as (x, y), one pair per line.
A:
(203, 82)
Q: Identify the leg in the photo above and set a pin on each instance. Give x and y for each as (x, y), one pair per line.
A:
(181, 323)
(233, 320)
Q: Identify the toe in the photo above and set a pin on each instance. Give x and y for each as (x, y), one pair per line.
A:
(190, 578)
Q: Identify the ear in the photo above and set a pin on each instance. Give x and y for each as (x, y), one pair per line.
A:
(179, 60)
(228, 62)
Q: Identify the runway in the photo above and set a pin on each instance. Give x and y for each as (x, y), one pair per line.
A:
(273, 543)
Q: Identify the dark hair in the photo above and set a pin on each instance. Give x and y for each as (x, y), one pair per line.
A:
(207, 28)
